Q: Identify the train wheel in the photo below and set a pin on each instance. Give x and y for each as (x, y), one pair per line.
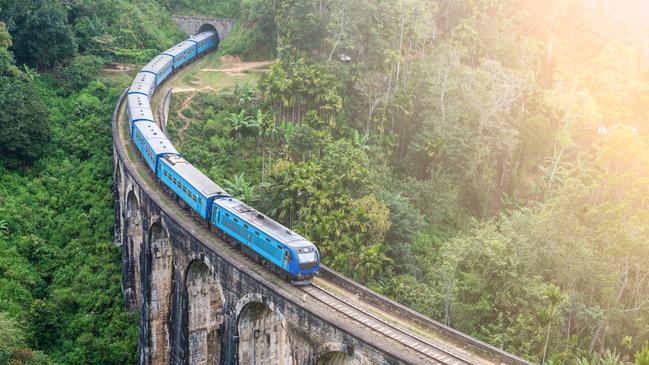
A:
(234, 243)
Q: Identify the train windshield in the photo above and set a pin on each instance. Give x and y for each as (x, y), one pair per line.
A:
(306, 254)
(306, 257)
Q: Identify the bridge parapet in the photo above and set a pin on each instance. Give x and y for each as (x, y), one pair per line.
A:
(201, 304)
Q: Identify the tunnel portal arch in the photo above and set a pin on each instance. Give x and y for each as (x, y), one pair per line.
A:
(207, 27)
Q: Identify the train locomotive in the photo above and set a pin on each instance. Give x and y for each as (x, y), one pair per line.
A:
(283, 250)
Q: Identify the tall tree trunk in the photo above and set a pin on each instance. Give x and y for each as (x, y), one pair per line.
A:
(547, 339)
(400, 45)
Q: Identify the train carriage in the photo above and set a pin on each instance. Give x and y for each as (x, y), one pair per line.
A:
(161, 66)
(275, 243)
(191, 185)
(144, 83)
(204, 41)
(151, 143)
(286, 250)
(182, 53)
(138, 109)
(141, 88)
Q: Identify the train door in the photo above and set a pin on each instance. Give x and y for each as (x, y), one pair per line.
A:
(286, 259)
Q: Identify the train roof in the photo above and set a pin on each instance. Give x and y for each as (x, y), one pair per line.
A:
(139, 107)
(201, 36)
(266, 224)
(178, 48)
(138, 101)
(157, 64)
(194, 176)
(145, 78)
(140, 87)
(156, 139)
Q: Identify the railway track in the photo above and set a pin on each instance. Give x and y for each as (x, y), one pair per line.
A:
(428, 352)
(423, 349)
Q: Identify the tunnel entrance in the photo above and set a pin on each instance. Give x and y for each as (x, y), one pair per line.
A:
(205, 314)
(207, 27)
(263, 337)
(160, 256)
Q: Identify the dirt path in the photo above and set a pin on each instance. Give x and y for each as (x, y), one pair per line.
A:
(189, 89)
(185, 105)
(238, 67)
(118, 67)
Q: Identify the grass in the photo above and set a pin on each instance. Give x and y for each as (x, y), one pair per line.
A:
(197, 77)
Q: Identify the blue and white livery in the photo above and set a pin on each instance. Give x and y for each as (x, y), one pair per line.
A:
(267, 241)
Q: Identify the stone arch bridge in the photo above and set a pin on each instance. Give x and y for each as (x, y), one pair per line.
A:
(203, 302)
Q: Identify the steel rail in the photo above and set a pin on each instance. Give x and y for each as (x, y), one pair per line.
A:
(431, 351)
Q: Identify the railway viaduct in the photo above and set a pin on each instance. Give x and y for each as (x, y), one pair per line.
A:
(203, 302)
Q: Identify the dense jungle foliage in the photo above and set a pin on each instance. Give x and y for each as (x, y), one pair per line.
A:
(60, 299)
(484, 162)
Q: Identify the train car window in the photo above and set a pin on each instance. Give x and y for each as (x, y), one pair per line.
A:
(268, 239)
(245, 226)
(234, 219)
(257, 233)
(227, 214)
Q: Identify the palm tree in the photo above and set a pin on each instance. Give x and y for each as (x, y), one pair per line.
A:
(239, 121)
(240, 188)
(371, 262)
(260, 121)
(553, 294)
(642, 357)
(30, 72)
(242, 94)
(287, 129)
(360, 140)
(4, 228)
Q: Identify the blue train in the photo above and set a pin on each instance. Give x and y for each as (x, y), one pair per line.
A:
(286, 252)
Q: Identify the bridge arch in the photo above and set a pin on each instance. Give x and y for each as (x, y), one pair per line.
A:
(204, 314)
(118, 175)
(159, 255)
(263, 334)
(337, 354)
(134, 238)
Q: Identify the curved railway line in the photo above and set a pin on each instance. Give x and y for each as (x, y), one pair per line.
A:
(427, 351)
(428, 341)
